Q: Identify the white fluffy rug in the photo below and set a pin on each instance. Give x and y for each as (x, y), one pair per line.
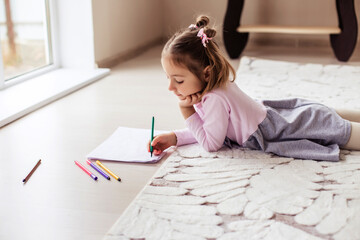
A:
(243, 194)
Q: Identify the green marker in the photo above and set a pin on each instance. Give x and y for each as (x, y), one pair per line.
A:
(152, 135)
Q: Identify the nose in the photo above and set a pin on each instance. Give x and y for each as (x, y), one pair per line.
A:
(171, 86)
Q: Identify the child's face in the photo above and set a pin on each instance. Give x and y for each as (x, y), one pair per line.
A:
(182, 82)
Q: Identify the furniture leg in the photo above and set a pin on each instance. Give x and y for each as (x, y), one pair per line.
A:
(234, 41)
(343, 44)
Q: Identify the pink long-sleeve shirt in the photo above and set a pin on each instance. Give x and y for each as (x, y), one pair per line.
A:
(223, 112)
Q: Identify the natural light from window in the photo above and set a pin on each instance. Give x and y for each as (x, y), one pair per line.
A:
(39, 66)
(25, 37)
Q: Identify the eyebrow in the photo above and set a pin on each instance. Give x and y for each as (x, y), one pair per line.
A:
(177, 75)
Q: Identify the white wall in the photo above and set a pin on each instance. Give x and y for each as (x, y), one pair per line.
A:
(294, 12)
(75, 34)
(121, 26)
(180, 13)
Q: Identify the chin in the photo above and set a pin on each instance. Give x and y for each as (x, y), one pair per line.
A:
(180, 97)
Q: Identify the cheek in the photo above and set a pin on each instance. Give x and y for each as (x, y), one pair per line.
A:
(201, 85)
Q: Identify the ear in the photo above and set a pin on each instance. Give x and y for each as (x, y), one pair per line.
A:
(206, 73)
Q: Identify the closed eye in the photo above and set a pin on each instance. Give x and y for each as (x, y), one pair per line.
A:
(174, 78)
(177, 80)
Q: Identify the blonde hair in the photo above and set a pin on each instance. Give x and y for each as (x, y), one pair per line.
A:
(185, 48)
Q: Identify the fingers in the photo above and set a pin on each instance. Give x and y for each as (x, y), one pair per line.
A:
(190, 100)
(156, 144)
(157, 152)
(181, 98)
(193, 98)
(162, 142)
(152, 143)
(155, 141)
(156, 149)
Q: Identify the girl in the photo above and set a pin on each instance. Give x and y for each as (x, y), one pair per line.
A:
(216, 111)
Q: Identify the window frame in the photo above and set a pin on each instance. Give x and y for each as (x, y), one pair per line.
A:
(51, 37)
(74, 63)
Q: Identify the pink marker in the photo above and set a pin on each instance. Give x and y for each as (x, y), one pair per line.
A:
(85, 170)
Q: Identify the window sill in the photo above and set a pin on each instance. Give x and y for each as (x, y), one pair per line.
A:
(23, 98)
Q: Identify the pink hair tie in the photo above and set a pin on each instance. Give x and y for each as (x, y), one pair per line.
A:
(193, 26)
(204, 38)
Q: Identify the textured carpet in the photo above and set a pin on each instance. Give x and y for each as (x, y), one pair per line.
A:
(242, 194)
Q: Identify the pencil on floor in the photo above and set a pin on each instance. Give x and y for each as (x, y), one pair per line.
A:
(31, 172)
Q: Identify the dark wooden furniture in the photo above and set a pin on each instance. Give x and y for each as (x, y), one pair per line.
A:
(343, 38)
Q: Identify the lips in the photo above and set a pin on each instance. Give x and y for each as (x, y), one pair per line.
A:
(179, 96)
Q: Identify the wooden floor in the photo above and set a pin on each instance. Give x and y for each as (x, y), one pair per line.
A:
(62, 202)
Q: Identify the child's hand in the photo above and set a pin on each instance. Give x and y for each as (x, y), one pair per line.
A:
(190, 100)
(162, 142)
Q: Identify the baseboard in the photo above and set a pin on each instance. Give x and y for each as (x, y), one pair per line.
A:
(127, 55)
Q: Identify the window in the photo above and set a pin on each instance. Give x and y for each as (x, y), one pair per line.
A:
(25, 38)
(66, 59)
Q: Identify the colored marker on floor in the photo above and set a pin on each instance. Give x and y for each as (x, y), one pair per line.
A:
(86, 171)
(98, 169)
(108, 171)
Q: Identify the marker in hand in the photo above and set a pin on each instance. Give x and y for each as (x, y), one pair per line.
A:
(152, 136)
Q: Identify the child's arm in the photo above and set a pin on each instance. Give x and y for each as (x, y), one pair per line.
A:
(166, 140)
(210, 130)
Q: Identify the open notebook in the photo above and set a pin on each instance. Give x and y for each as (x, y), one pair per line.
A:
(126, 145)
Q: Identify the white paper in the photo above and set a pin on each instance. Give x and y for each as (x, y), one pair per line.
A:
(126, 145)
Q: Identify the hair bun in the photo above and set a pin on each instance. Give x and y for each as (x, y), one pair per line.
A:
(202, 21)
(210, 32)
